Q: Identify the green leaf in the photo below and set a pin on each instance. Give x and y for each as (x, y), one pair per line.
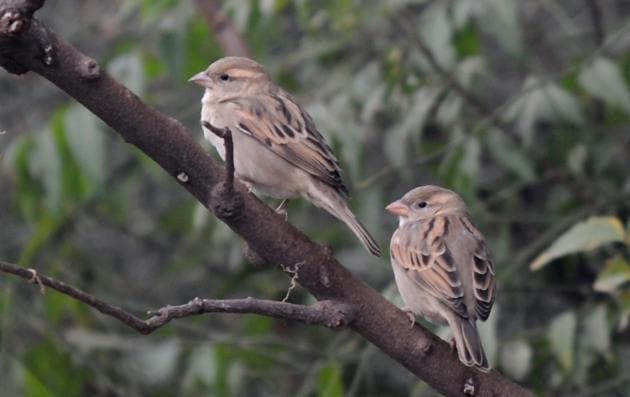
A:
(500, 19)
(153, 66)
(624, 316)
(577, 159)
(74, 184)
(470, 69)
(467, 41)
(47, 224)
(595, 331)
(512, 158)
(154, 9)
(330, 383)
(45, 163)
(177, 219)
(585, 236)
(603, 79)
(157, 363)
(614, 275)
(223, 358)
(128, 69)
(59, 307)
(453, 171)
(561, 337)
(49, 371)
(201, 48)
(542, 101)
(516, 359)
(201, 367)
(258, 325)
(420, 104)
(29, 190)
(438, 33)
(86, 144)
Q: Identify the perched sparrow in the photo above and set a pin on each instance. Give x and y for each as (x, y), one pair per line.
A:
(442, 267)
(277, 149)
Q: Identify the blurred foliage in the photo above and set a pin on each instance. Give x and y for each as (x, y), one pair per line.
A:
(522, 107)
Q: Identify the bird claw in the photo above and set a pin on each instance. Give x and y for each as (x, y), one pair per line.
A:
(411, 316)
(281, 211)
(284, 214)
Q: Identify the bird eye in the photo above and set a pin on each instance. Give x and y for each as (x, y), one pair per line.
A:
(224, 77)
(421, 204)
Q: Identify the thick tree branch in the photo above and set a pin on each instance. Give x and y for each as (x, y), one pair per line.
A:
(327, 313)
(168, 143)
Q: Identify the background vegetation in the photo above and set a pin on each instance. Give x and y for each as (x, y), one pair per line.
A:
(522, 107)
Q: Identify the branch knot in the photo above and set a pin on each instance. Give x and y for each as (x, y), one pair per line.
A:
(335, 315)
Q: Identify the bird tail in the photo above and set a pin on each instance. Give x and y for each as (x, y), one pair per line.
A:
(337, 206)
(468, 344)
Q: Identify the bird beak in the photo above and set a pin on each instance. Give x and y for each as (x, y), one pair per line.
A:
(201, 78)
(398, 208)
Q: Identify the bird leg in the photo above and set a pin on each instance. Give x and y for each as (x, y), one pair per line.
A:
(280, 210)
(226, 135)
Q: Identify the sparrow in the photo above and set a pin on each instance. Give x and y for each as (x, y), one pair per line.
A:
(442, 267)
(278, 151)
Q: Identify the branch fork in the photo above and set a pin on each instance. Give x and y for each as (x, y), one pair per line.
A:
(228, 203)
(331, 314)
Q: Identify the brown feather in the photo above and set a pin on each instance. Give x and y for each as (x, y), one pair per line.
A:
(429, 263)
(292, 135)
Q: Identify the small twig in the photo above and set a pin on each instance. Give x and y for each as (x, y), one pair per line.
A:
(36, 280)
(596, 19)
(598, 106)
(226, 135)
(229, 158)
(331, 314)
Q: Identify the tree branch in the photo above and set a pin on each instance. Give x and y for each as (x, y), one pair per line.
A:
(330, 314)
(226, 135)
(597, 21)
(170, 145)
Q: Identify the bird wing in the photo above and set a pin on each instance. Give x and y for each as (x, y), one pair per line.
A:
(484, 283)
(281, 125)
(422, 250)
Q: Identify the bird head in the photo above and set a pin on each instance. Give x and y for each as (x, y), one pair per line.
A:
(231, 75)
(426, 202)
